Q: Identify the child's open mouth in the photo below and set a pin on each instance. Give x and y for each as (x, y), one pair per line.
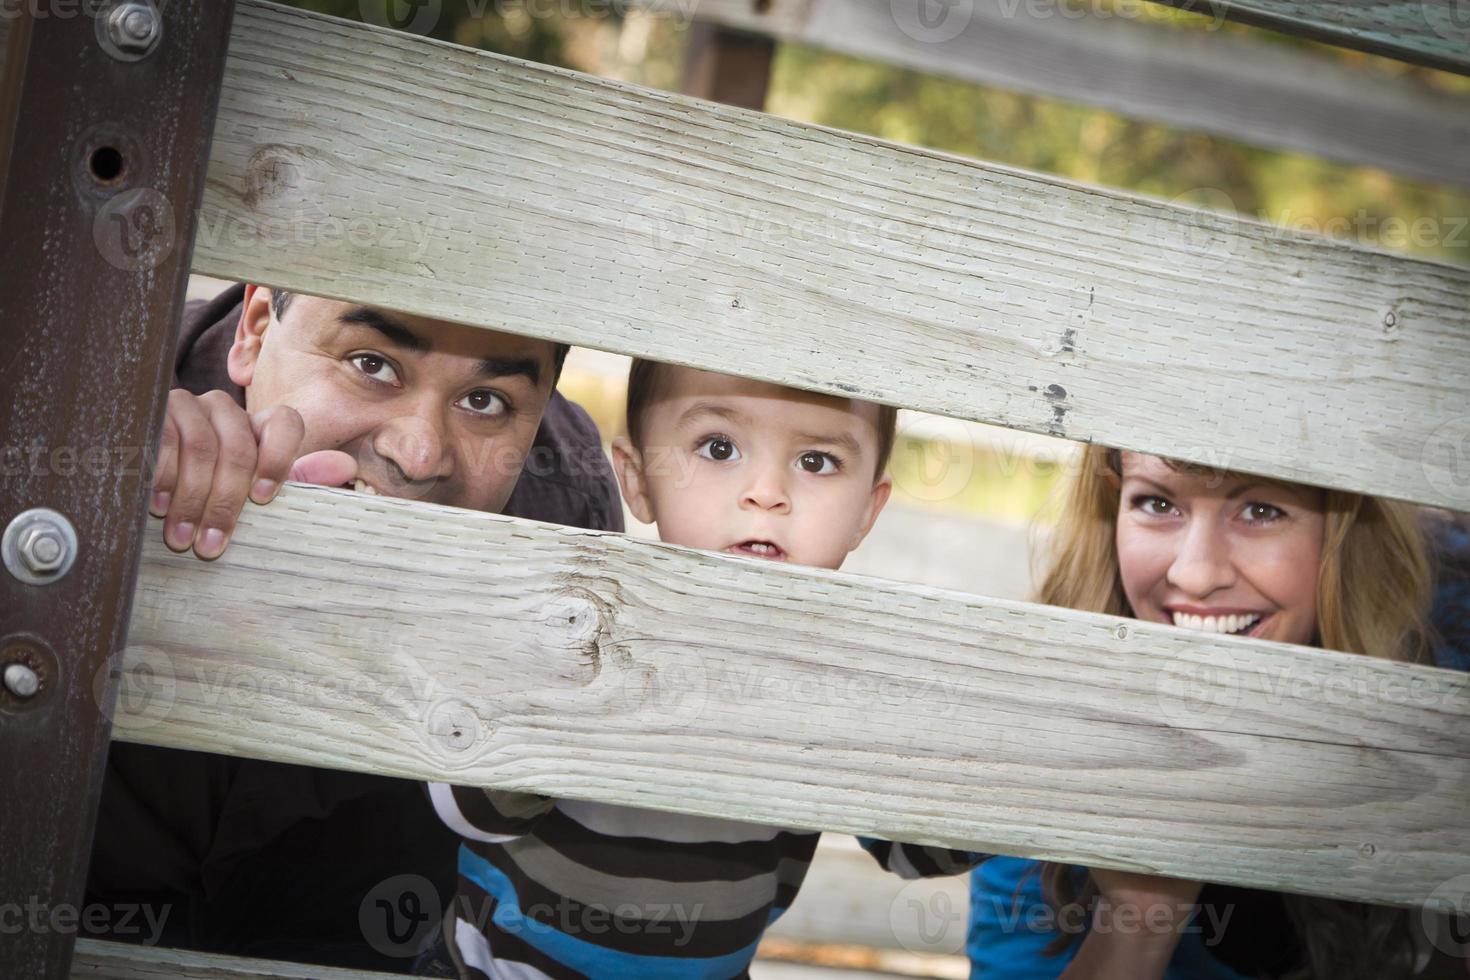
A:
(759, 549)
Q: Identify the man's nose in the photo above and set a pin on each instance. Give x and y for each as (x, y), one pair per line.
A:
(417, 445)
(767, 490)
(1203, 563)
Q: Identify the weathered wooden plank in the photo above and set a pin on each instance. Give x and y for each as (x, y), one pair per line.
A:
(552, 204)
(1233, 86)
(378, 634)
(96, 960)
(1427, 32)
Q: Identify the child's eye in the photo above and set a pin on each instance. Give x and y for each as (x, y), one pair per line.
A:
(483, 401)
(1258, 513)
(819, 463)
(1153, 505)
(718, 448)
(375, 366)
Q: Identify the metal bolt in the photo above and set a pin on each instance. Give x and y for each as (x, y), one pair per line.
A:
(133, 29)
(39, 546)
(21, 681)
(42, 548)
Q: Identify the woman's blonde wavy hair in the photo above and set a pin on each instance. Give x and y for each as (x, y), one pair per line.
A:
(1374, 589)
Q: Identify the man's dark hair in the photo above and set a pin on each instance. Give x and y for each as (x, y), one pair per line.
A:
(646, 382)
(280, 300)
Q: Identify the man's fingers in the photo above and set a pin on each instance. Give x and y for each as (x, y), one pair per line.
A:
(328, 468)
(166, 469)
(234, 469)
(197, 450)
(278, 435)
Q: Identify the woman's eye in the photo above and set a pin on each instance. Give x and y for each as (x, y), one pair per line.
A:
(719, 449)
(483, 401)
(1258, 513)
(375, 367)
(1156, 506)
(819, 463)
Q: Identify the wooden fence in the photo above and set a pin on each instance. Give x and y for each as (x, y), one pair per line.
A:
(386, 169)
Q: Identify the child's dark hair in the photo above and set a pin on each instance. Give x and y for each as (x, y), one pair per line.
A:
(645, 384)
(280, 300)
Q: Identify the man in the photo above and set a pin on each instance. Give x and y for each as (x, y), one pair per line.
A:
(271, 860)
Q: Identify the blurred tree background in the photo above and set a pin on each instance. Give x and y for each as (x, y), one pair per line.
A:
(603, 37)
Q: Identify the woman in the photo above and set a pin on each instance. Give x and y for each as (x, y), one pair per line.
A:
(1201, 549)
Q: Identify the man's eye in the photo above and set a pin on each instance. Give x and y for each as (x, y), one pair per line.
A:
(819, 463)
(483, 401)
(376, 367)
(718, 448)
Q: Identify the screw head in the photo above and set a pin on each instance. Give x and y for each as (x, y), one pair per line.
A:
(21, 681)
(42, 548)
(134, 28)
(39, 546)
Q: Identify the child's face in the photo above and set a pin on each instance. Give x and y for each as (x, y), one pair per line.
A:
(755, 469)
(1235, 555)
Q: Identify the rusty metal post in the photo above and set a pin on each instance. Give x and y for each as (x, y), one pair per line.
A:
(106, 114)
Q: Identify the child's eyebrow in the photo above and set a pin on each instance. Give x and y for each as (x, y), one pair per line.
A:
(845, 441)
(700, 409)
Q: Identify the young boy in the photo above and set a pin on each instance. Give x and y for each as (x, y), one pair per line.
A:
(561, 888)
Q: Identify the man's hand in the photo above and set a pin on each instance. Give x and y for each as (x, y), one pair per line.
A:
(213, 456)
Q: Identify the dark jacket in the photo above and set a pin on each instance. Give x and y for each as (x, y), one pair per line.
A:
(265, 859)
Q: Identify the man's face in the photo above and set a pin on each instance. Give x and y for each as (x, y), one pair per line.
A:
(431, 410)
(751, 468)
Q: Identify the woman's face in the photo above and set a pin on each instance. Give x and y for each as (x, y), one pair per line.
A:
(1224, 554)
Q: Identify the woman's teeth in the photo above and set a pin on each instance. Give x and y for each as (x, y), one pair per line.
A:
(362, 487)
(1217, 624)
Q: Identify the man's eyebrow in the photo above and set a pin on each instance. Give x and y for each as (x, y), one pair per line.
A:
(842, 440)
(397, 332)
(394, 330)
(502, 367)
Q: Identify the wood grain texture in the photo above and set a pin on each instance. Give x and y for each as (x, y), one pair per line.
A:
(1215, 82)
(552, 204)
(386, 635)
(95, 960)
(1428, 32)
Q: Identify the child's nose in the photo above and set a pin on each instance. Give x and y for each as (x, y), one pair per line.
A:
(767, 492)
